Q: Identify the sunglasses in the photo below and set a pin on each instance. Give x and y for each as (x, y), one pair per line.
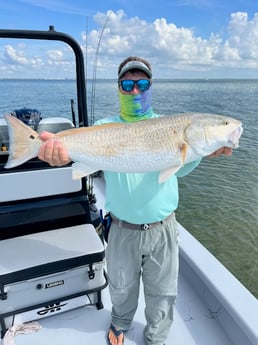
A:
(128, 84)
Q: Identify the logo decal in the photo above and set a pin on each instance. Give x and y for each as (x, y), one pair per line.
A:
(51, 308)
(54, 284)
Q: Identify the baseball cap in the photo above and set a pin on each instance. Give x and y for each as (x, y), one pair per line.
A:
(135, 65)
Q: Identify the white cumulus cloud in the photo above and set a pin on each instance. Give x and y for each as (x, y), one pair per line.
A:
(11, 55)
(243, 35)
(175, 48)
(173, 51)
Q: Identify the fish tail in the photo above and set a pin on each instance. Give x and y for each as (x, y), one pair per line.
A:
(24, 142)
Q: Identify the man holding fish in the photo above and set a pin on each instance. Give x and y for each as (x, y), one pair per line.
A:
(143, 237)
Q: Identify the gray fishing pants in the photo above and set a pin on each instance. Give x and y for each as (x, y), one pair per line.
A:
(152, 255)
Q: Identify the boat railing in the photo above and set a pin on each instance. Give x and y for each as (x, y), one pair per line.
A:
(51, 34)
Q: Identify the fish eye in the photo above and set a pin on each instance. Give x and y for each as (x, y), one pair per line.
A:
(226, 123)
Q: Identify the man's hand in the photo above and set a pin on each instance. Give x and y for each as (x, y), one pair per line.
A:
(227, 151)
(52, 150)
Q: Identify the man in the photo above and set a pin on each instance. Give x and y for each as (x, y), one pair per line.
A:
(143, 238)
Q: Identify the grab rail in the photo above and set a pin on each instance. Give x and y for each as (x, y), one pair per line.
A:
(53, 35)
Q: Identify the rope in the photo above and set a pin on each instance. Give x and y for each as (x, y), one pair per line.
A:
(23, 328)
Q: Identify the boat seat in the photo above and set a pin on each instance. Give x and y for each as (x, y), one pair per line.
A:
(41, 199)
(36, 197)
(37, 183)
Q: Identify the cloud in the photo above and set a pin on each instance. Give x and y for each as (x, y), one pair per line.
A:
(57, 55)
(12, 56)
(173, 51)
(22, 61)
(15, 61)
(173, 47)
(244, 35)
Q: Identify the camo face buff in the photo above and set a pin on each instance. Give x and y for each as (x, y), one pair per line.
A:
(135, 107)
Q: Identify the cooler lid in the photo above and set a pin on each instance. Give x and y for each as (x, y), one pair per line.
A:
(48, 252)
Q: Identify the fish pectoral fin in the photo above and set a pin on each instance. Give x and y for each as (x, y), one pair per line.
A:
(183, 152)
(80, 170)
(164, 175)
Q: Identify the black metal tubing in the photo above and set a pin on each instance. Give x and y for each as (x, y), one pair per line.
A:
(53, 35)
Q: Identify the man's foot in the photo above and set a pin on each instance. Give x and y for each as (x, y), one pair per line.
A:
(115, 336)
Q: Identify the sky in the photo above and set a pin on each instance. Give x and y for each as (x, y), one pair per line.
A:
(180, 38)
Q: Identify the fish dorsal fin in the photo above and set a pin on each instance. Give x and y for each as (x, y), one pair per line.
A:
(164, 175)
(87, 129)
(80, 170)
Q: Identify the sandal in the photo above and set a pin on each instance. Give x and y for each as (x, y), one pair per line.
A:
(116, 332)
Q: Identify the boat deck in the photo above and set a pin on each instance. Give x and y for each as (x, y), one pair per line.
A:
(212, 307)
(193, 324)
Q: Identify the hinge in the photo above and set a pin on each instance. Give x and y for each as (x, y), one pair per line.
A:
(3, 295)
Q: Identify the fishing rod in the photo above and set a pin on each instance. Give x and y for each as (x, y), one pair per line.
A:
(91, 195)
(95, 66)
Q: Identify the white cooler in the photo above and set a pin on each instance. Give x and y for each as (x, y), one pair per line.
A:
(50, 272)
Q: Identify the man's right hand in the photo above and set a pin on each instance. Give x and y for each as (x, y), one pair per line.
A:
(52, 150)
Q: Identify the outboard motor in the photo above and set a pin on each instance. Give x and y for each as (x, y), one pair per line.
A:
(30, 117)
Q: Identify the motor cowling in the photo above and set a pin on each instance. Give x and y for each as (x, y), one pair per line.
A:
(29, 116)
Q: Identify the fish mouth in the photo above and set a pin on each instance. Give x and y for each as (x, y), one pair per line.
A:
(235, 136)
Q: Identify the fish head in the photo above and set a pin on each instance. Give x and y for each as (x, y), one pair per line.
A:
(209, 132)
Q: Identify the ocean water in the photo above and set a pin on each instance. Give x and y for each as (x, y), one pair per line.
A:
(219, 200)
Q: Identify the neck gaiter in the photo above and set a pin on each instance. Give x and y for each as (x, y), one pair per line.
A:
(135, 107)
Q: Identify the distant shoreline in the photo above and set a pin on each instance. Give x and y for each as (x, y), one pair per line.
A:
(156, 80)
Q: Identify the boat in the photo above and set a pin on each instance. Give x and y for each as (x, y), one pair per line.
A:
(212, 307)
